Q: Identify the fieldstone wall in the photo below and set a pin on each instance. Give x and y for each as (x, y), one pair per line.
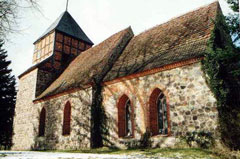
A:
(27, 115)
(192, 108)
(192, 104)
(25, 112)
(80, 122)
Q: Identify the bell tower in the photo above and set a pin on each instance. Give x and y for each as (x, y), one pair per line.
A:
(56, 48)
(61, 42)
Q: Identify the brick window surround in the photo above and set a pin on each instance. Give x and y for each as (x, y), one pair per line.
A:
(122, 124)
(67, 119)
(154, 113)
(42, 122)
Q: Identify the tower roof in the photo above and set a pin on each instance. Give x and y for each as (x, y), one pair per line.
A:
(66, 24)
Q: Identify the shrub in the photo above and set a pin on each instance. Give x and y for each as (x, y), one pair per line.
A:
(202, 139)
(222, 68)
(145, 141)
(225, 153)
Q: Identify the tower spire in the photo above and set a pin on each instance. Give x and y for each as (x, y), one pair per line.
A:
(67, 6)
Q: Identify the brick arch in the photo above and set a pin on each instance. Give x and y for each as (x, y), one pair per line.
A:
(122, 116)
(158, 86)
(67, 119)
(153, 125)
(42, 122)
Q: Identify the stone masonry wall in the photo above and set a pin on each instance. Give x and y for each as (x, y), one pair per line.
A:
(192, 108)
(25, 112)
(80, 122)
(192, 104)
(27, 115)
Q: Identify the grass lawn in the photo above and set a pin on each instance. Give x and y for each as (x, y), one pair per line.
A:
(178, 153)
(3, 155)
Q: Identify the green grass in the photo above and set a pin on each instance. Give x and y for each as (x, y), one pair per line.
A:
(184, 153)
(178, 153)
(3, 155)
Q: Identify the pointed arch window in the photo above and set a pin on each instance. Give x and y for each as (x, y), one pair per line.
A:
(67, 119)
(159, 113)
(125, 117)
(42, 122)
(162, 114)
(128, 117)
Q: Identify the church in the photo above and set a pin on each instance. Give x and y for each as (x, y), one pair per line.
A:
(152, 81)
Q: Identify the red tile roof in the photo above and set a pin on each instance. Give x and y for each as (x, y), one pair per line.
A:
(179, 39)
(90, 64)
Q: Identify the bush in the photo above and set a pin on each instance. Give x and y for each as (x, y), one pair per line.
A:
(222, 68)
(225, 153)
(202, 139)
(145, 141)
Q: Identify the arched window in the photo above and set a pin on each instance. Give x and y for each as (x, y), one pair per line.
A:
(42, 122)
(67, 119)
(125, 117)
(128, 117)
(158, 113)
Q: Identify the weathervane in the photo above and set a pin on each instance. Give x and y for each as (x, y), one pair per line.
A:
(67, 6)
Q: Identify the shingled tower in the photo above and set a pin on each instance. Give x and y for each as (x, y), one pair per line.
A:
(54, 50)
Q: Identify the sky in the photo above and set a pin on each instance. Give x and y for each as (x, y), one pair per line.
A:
(99, 19)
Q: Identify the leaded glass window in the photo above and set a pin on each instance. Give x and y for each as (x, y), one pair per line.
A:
(162, 114)
(128, 119)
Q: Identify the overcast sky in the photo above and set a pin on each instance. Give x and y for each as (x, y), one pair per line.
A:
(99, 19)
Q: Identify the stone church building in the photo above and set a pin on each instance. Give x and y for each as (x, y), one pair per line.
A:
(151, 81)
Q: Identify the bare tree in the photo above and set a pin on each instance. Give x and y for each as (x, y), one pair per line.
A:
(9, 14)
